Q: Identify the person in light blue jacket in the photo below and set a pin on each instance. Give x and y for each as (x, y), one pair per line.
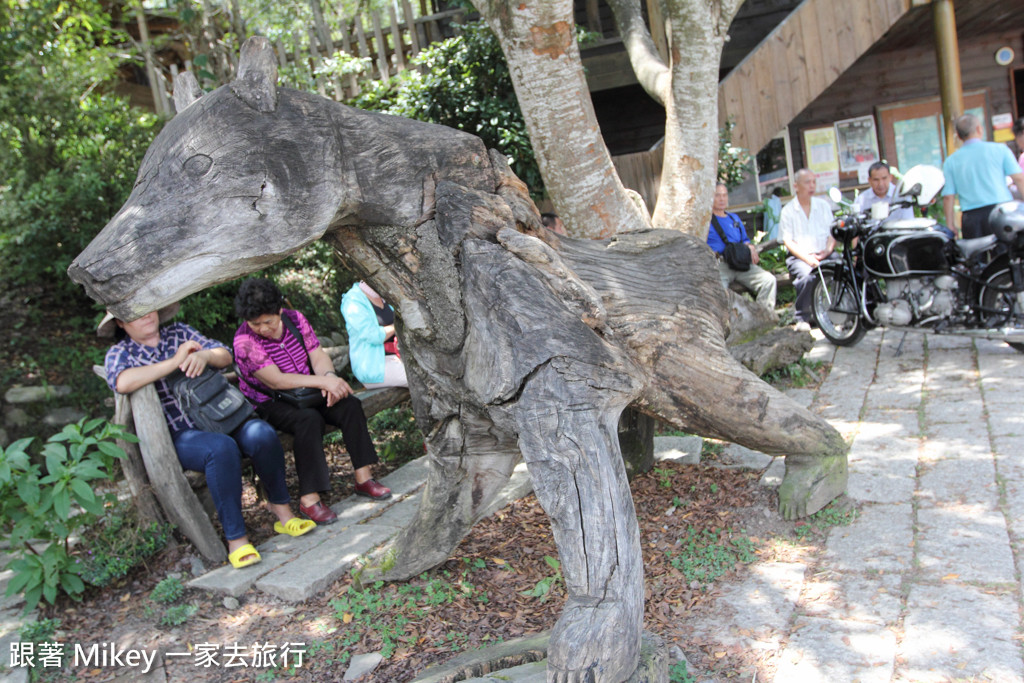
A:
(372, 344)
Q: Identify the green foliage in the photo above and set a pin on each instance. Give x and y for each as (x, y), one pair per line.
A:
(664, 477)
(41, 631)
(42, 507)
(177, 615)
(799, 374)
(118, 543)
(398, 438)
(169, 590)
(831, 515)
(543, 588)
(69, 148)
(462, 82)
(733, 162)
(391, 612)
(677, 673)
(705, 555)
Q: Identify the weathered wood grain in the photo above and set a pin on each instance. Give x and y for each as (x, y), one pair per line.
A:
(518, 343)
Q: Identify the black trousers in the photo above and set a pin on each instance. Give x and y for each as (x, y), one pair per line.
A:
(308, 425)
(974, 223)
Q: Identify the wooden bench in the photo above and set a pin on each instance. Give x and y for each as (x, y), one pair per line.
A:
(159, 486)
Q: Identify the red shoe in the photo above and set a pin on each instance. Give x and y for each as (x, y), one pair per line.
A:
(319, 513)
(372, 489)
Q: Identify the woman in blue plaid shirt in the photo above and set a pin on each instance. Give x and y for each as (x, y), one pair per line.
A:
(147, 353)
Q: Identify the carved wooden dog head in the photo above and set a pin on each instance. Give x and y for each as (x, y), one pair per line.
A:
(249, 173)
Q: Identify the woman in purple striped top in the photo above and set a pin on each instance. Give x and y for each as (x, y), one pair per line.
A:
(270, 358)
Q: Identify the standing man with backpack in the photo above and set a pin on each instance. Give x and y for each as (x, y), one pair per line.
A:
(737, 258)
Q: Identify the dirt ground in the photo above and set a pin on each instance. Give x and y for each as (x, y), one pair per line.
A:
(503, 559)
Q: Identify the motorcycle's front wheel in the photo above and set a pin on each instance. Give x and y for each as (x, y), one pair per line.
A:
(996, 295)
(836, 308)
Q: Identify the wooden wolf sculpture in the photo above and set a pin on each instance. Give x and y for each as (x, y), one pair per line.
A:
(519, 343)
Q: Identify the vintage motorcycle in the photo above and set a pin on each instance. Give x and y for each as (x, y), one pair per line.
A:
(909, 275)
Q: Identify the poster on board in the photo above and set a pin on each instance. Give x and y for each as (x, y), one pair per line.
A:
(821, 157)
(857, 141)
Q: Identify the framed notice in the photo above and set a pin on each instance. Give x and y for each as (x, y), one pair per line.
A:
(857, 143)
(821, 155)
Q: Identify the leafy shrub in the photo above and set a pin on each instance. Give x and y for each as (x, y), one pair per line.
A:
(36, 505)
(167, 591)
(117, 544)
(705, 555)
(397, 437)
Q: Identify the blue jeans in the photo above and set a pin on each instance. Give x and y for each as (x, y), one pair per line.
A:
(219, 457)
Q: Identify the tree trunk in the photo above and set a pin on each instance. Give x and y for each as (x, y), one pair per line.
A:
(539, 41)
(690, 167)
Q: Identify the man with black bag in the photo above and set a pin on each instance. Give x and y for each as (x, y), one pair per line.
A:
(737, 258)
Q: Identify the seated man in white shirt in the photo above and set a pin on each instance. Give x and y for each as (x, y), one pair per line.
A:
(804, 226)
(882, 190)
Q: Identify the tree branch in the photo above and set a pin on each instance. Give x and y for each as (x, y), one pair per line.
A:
(649, 67)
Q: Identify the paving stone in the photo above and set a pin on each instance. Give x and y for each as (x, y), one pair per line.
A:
(63, 416)
(888, 422)
(802, 397)
(1002, 391)
(831, 650)
(19, 394)
(408, 477)
(894, 396)
(948, 341)
(775, 473)
(959, 481)
(873, 598)
(360, 665)
(758, 609)
(534, 672)
(879, 485)
(355, 509)
(952, 538)
(315, 570)
(962, 440)
(897, 454)
(1006, 420)
(397, 517)
(235, 582)
(880, 539)
(737, 457)
(957, 632)
(682, 449)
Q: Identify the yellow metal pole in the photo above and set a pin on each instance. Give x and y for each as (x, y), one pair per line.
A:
(947, 53)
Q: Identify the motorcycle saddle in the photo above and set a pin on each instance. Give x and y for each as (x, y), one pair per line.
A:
(972, 246)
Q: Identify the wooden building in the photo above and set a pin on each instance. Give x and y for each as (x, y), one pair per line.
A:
(831, 84)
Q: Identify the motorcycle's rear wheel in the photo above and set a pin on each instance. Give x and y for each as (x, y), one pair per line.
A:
(993, 296)
(835, 308)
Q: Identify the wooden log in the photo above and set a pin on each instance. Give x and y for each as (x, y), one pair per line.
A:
(346, 45)
(315, 60)
(179, 504)
(323, 34)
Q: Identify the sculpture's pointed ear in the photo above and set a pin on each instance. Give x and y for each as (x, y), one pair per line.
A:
(256, 83)
(186, 91)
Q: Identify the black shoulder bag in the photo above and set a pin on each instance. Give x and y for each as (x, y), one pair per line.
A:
(736, 254)
(211, 402)
(300, 397)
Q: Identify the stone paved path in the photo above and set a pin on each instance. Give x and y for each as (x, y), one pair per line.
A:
(925, 584)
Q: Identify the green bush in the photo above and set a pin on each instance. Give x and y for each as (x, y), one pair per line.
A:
(117, 544)
(396, 435)
(169, 590)
(42, 507)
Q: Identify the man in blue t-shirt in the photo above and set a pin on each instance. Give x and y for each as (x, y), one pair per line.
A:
(977, 173)
(757, 279)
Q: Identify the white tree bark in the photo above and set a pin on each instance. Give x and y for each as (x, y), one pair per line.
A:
(539, 41)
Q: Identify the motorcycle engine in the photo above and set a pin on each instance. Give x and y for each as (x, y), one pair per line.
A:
(916, 300)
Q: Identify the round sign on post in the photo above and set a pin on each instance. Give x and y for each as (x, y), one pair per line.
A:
(1004, 55)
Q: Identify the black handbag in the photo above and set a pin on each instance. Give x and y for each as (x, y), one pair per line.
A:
(736, 254)
(300, 397)
(211, 402)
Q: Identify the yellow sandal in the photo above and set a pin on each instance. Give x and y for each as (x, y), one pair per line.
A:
(295, 526)
(243, 556)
